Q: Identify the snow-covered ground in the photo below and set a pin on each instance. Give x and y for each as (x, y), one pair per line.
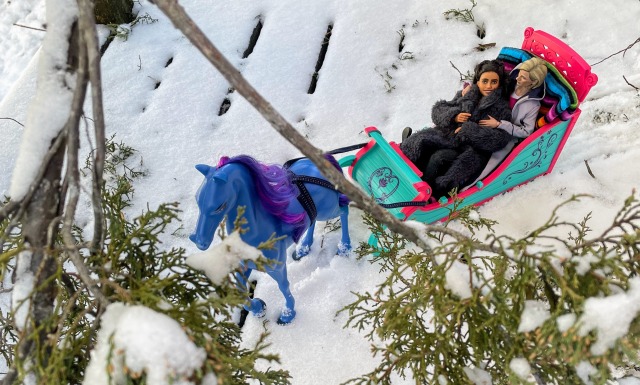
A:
(163, 98)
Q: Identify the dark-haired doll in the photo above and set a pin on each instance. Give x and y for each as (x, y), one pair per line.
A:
(454, 151)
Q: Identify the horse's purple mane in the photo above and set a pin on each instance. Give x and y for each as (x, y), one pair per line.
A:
(275, 189)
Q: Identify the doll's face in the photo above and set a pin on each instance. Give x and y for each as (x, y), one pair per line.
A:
(523, 79)
(488, 82)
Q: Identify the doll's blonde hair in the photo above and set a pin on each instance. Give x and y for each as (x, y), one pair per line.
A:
(537, 69)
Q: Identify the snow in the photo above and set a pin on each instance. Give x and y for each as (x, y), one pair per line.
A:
(22, 288)
(162, 98)
(47, 116)
(520, 366)
(583, 370)
(533, 316)
(598, 311)
(221, 259)
(478, 376)
(566, 321)
(136, 340)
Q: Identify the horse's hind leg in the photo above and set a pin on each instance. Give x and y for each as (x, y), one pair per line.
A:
(305, 246)
(344, 247)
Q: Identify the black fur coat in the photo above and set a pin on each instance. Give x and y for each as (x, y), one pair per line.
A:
(473, 143)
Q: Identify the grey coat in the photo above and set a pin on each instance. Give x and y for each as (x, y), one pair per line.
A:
(521, 125)
(525, 112)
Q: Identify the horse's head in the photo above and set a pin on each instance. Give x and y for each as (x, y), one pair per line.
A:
(213, 198)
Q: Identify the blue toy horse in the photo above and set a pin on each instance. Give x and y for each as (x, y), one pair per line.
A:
(284, 201)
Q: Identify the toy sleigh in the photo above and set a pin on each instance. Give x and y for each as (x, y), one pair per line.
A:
(394, 181)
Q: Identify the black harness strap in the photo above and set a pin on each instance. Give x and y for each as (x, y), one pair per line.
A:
(313, 180)
(340, 150)
(305, 197)
(309, 206)
(402, 204)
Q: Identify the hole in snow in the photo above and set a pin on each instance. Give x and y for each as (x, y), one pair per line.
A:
(323, 52)
(226, 103)
(253, 40)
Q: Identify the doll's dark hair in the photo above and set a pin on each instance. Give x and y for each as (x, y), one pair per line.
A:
(492, 66)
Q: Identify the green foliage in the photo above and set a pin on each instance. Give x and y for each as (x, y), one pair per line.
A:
(134, 267)
(113, 11)
(386, 78)
(603, 117)
(119, 30)
(456, 308)
(466, 15)
(10, 241)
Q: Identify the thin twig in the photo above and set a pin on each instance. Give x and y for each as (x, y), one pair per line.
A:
(625, 79)
(589, 169)
(8, 209)
(623, 51)
(462, 77)
(13, 120)
(26, 26)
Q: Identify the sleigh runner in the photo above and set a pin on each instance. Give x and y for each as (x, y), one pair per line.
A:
(395, 182)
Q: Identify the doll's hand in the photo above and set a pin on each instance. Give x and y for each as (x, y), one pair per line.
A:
(490, 123)
(462, 117)
(466, 89)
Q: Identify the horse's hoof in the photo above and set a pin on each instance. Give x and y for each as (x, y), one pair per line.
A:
(300, 253)
(286, 317)
(344, 249)
(257, 307)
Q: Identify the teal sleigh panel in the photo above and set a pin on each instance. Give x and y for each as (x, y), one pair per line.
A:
(533, 157)
(385, 174)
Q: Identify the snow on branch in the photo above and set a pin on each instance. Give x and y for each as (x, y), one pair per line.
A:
(221, 259)
(135, 341)
(50, 108)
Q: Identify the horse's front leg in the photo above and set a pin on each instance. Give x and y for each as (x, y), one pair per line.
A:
(256, 306)
(303, 249)
(344, 247)
(279, 274)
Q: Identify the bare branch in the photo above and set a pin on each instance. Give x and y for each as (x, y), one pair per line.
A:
(625, 79)
(88, 29)
(622, 51)
(13, 120)
(35, 184)
(73, 174)
(26, 26)
(183, 22)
